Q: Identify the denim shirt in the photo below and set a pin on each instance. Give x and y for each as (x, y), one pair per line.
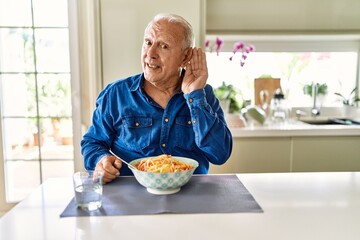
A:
(129, 122)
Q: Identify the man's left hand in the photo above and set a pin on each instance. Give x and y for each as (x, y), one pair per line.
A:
(196, 73)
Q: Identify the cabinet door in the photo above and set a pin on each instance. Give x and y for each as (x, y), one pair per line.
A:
(256, 155)
(320, 154)
(122, 29)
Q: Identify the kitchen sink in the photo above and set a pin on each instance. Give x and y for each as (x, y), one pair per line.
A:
(328, 121)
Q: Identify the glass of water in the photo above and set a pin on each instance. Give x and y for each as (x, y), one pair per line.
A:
(88, 190)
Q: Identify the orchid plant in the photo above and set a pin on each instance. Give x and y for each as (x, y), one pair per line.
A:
(244, 49)
(229, 92)
(351, 99)
(217, 45)
(239, 47)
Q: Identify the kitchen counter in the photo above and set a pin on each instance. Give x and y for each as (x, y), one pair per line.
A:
(296, 206)
(293, 147)
(295, 129)
(309, 145)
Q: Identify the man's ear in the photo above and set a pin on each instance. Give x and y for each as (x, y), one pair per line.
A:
(188, 55)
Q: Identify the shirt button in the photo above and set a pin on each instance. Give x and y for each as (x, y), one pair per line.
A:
(190, 100)
(194, 121)
(163, 145)
(166, 119)
(137, 124)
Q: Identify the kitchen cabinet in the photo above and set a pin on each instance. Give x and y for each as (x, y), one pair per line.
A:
(282, 16)
(257, 155)
(340, 153)
(292, 154)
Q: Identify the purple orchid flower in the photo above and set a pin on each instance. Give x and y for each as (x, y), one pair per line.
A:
(238, 46)
(245, 50)
(218, 44)
(207, 44)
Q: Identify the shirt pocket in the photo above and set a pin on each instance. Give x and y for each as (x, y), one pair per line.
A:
(136, 132)
(185, 136)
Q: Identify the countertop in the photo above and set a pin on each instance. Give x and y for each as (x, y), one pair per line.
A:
(295, 129)
(296, 206)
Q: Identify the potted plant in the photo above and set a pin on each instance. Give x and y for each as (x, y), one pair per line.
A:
(230, 98)
(351, 100)
(318, 97)
(322, 89)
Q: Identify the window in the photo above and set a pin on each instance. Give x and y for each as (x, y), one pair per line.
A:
(296, 61)
(35, 86)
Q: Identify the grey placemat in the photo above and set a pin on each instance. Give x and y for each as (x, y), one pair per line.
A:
(202, 194)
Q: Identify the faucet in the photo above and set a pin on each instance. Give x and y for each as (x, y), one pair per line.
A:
(315, 111)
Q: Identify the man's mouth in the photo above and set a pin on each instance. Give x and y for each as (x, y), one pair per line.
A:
(152, 66)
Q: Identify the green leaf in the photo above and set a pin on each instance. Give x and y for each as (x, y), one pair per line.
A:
(231, 93)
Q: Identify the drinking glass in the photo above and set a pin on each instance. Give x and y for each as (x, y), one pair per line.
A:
(88, 190)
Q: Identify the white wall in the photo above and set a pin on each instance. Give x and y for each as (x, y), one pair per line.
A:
(122, 28)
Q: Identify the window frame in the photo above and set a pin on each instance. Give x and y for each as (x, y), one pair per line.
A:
(294, 42)
(72, 16)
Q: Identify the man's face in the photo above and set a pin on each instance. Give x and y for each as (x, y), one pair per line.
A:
(162, 52)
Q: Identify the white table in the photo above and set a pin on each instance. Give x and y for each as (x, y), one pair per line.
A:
(296, 206)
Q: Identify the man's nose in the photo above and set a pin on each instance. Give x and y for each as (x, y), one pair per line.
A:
(152, 51)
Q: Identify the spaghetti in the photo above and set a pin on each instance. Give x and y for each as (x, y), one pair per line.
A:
(162, 164)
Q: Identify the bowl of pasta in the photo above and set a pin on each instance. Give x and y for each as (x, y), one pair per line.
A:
(164, 174)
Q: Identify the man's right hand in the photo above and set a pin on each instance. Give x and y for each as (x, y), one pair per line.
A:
(109, 167)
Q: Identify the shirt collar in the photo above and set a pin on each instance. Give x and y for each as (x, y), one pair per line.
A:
(137, 82)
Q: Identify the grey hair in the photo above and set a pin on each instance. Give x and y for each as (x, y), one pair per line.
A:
(173, 18)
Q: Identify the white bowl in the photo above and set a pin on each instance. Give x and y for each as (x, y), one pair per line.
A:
(164, 183)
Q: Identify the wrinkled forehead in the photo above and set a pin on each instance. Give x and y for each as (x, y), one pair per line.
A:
(165, 30)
